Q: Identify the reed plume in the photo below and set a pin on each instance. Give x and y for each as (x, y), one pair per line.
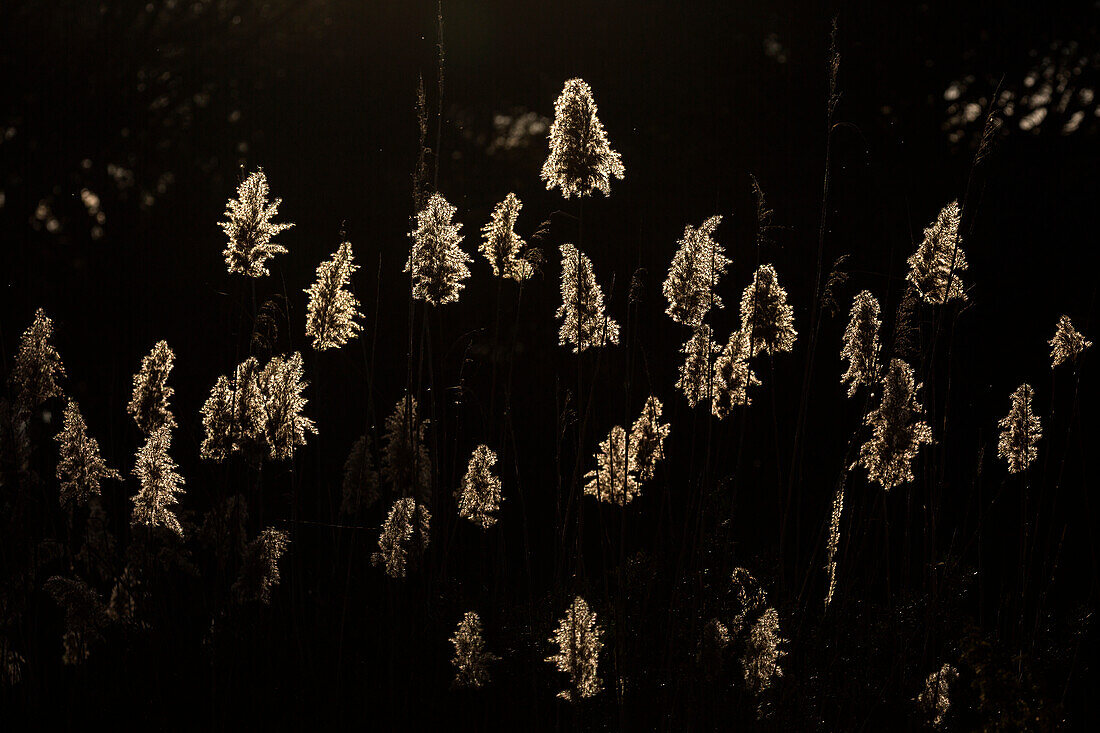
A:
(149, 405)
(281, 386)
(861, 343)
(577, 639)
(766, 317)
(760, 661)
(898, 429)
(80, 467)
(404, 537)
(696, 267)
(1067, 344)
(360, 489)
(438, 265)
(733, 376)
(502, 247)
(249, 228)
(478, 496)
(405, 461)
(471, 660)
(696, 371)
(332, 309)
(935, 267)
(581, 159)
(38, 368)
(160, 484)
(584, 325)
(1020, 431)
(613, 480)
(934, 701)
(647, 439)
(260, 566)
(233, 415)
(85, 617)
(833, 543)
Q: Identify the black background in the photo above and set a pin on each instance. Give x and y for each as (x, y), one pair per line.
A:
(322, 96)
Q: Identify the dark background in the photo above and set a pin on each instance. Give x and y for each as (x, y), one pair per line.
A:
(696, 97)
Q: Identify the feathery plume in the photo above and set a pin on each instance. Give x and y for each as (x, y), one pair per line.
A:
(695, 373)
(160, 483)
(578, 641)
(834, 542)
(898, 430)
(935, 267)
(11, 664)
(285, 427)
(934, 700)
(584, 324)
(80, 467)
(249, 228)
(360, 479)
(405, 461)
(502, 247)
(613, 480)
(149, 404)
(581, 159)
(1020, 431)
(438, 264)
(85, 616)
(760, 663)
(233, 415)
(404, 537)
(260, 566)
(1067, 344)
(479, 495)
(38, 367)
(696, 267)
(765, 316)
(732, 376)
(712, 646)
(647, 439)
(471, 660)
(332, 309)
(861, 345)
(749, 596)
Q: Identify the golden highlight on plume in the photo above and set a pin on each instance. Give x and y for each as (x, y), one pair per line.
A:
(150, 404)
(698, 264)
(332, 309)
(249, 228)
(577, 639)
(1020, 431)
(584, 325)
(935, 267)
(581, 159)
(438, 264)
(898, 430)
